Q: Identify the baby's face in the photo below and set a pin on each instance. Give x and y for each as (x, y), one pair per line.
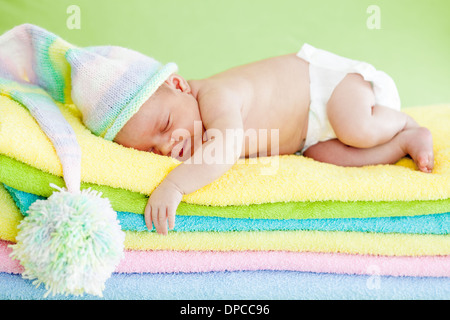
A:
(165, 125)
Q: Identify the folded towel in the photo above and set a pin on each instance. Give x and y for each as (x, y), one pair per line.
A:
(10, 216)
(428, 224)
(288, 285)
(247, 285)
(29, 179)
(390, 244)
(207, 261)
(271, 179)
(316, 241)
(191, 261)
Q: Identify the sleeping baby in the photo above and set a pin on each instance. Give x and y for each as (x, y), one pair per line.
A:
(323, 106)
(327, 107)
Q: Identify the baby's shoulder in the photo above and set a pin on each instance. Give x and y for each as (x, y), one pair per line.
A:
(216, 92)
(218, 101)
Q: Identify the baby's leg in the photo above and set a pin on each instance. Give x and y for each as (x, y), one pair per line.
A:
(359, 123)
(355, 118)
(408, 142)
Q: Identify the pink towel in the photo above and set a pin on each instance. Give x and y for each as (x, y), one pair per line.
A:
(205, 261)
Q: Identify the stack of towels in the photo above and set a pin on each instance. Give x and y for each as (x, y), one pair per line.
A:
(283, 227)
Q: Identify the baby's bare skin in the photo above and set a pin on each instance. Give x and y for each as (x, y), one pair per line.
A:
(268, 94)
(265, 95)
(273, 94)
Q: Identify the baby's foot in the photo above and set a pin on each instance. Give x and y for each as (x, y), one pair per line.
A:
(418, 143)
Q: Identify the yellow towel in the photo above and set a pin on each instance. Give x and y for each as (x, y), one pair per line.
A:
(296, 178)
(391, 244)
(10, 216)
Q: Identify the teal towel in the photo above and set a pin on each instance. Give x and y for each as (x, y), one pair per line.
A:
(421, 224)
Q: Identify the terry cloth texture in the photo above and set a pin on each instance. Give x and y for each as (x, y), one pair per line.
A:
(419, 276)
(107, 163)
(248, 285)
(163, 261)
(220, 260)
(389, 244)
(428, 224)
(29, 179)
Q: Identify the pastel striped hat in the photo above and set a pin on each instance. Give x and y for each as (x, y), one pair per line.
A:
(110, 84)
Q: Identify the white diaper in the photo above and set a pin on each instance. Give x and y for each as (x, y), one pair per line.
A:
(326, 70)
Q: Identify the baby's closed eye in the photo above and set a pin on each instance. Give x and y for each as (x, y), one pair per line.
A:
(168, 124)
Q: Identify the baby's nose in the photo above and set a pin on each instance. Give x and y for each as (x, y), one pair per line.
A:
(165, 149)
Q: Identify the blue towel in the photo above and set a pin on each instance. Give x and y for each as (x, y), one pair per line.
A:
(252, 285)
(425, 224)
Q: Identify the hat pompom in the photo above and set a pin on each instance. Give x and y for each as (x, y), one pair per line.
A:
(71, 242)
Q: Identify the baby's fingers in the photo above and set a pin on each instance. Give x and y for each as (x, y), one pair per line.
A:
(155, 213)
(148, 217)
(171, 211)
(162, 219)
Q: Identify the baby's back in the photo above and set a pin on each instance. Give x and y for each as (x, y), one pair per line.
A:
(275, 95)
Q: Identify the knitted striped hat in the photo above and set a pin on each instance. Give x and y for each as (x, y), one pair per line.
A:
(110, 84)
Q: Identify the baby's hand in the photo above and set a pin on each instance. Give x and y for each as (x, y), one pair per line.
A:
(162, 206)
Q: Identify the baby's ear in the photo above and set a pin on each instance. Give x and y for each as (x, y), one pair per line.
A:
(177, 82)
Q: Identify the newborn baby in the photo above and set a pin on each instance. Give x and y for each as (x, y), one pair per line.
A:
(329, 108)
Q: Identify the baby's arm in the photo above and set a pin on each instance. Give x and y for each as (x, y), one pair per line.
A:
(220, 112)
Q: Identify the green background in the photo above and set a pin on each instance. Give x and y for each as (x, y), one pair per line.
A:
(208, 36)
